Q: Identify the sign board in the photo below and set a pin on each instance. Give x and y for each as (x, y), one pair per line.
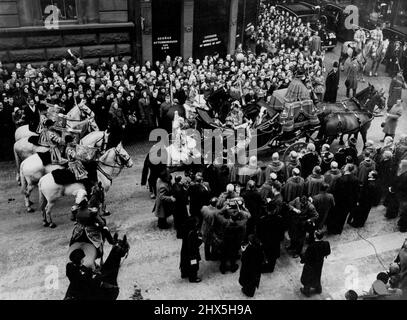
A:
(211, 27)
(166, 31)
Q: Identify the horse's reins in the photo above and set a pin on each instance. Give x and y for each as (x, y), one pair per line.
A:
(121, 166)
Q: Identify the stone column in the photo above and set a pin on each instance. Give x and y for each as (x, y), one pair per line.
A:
(81, 11)
(234, 4)
(134, 16)
(146, 30)
(92, 11)
(187, 23)
(25, 12)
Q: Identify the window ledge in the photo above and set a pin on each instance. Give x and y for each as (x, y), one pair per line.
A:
(75, 26)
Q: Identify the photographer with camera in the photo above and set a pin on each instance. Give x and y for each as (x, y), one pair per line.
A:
(303, 218)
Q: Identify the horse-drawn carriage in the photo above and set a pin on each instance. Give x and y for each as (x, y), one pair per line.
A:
(282, 125)
(276, 125)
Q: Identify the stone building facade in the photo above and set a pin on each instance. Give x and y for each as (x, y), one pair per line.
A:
(33, 31)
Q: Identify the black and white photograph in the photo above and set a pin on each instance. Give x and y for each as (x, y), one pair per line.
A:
(227, 151)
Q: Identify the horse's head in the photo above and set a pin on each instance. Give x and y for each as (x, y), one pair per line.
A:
(376, 103)
(74, 114)
(123, 156)
(121, 246)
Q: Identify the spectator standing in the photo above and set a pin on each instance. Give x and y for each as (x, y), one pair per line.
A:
(313, 260)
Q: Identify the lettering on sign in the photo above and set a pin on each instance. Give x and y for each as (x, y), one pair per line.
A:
(210, 40)
(164, 42)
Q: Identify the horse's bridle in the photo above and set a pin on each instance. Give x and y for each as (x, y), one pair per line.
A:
(119, 160)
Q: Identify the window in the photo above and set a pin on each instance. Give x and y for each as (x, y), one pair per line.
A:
(66, 9)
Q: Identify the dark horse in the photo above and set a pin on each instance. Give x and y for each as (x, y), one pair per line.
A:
(104, 286)
(350, 116)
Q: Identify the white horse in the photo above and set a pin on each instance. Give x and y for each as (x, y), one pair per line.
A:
(32, 168)
(81, 117)
(23, 132)
(23, 148)
(109, 166)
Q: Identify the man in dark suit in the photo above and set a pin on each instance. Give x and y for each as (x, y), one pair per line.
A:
(346, 192)
(32, 115)
(199, 194)
(313, 260)
(332, 84)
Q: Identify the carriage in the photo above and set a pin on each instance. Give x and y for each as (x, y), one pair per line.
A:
(279, 125)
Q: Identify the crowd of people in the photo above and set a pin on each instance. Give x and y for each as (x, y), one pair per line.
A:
(312, 194)
(237, 212)
(123, 94)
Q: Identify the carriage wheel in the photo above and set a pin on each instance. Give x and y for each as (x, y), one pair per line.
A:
(297, 147)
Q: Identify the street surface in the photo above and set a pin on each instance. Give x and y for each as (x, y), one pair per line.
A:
(29, 252)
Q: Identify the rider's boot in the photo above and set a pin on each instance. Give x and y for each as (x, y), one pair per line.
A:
(74, 211)
(108, 235)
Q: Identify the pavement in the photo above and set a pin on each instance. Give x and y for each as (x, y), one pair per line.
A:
(33, 258)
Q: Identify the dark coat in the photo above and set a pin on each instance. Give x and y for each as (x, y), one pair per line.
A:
(233, 237)
(293, 188)
(323, 202)
(270, 230)
(180, 207)
(199, 196)
(190, 251)
(370, 195)
(151, 173)
(32, 118)
(313, 260)
(386, 173)
(346, 191)
(365, 167)
(253, 202)
(308, 162)
(313, 184)
(332, 85)
(250, 272)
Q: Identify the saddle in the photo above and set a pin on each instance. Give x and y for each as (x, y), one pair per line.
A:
(45, 158)
(34, 140)
(66, 176)
(63, 176)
